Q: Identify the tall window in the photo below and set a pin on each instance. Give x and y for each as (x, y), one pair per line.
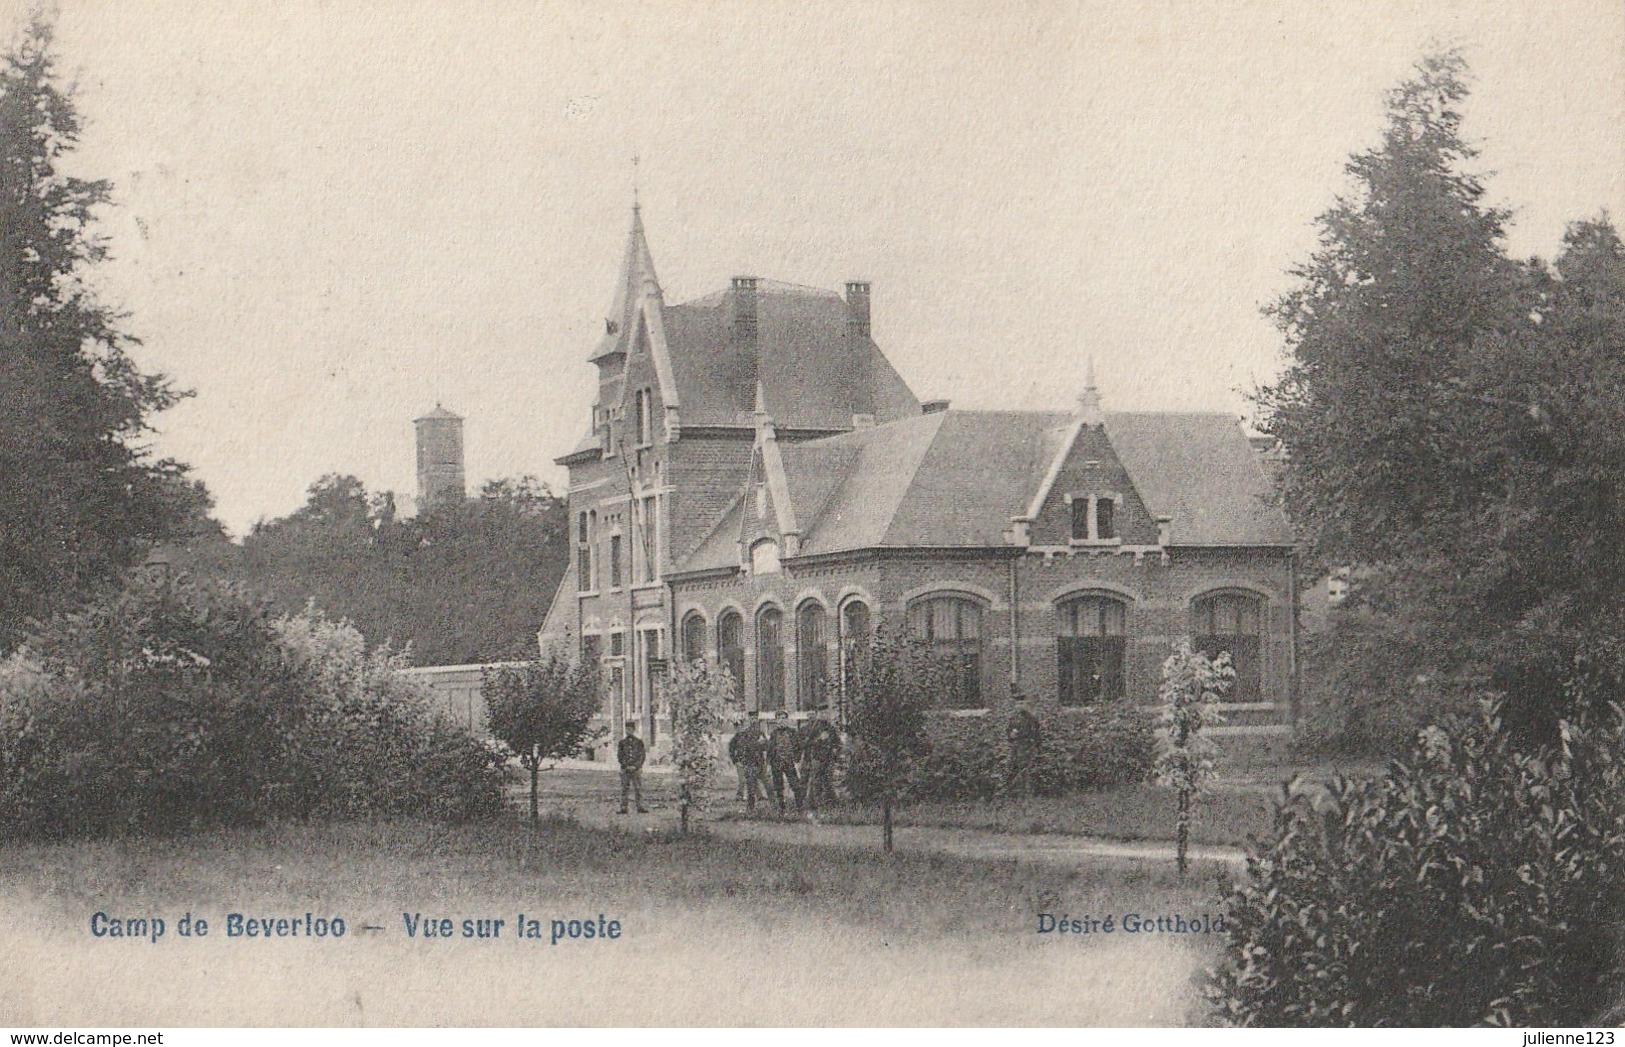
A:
(770, 658)
(731, 649)
(615, 544)
(694, 637)
(1233, 622)
(1089, 650)
(812, 656)
(647, 550)
(855, 636)
(643, 417)
(584, 579)
(952, 625)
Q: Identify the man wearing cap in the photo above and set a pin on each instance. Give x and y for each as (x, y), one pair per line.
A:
(630, 754)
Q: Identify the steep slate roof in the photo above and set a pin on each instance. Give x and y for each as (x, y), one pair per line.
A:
(1200, 470)
(956, 478)
(817, 375)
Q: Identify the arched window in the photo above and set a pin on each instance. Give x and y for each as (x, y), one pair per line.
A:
(764, 557)
(770, 658)
(731, 649)
(952, 625)
(694, 637)
(1233, 622)
(812, 656)
(1089, 649)
(856, 633)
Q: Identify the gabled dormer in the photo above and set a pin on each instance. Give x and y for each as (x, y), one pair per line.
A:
(1087, 499)
(768, 529)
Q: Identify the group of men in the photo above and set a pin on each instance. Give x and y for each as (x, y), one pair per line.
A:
(801, 758)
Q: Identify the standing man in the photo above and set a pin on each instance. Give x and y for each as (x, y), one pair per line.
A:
(748, 749)
(781, 758)
(630, 753)
(1026, 736)
(819, 746)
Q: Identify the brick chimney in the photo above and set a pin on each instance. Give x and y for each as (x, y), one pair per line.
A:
(743, 321)
(857, 307)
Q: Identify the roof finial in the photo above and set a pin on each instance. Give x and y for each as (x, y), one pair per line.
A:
(1089, 400)
(634, 181)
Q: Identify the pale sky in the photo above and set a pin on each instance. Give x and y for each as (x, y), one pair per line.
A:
(333, 213)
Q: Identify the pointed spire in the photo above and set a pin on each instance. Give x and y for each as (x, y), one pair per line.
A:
(637, 279)
(1089, 400)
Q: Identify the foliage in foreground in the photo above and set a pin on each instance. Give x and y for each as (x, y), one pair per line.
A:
(1192, 687)
(699, 696)
(1472, 885)
(177, 704)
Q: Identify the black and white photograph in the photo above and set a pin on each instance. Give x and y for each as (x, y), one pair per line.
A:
(725, 515)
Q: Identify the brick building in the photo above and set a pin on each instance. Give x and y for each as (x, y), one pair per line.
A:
(759, 486)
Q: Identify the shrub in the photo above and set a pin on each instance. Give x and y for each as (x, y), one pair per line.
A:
(1096, 747)
(178, 704)
(1092, 747)
(1473, 884)
(368, 741)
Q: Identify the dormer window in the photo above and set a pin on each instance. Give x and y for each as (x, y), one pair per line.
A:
(764, 557)
(1094, 517)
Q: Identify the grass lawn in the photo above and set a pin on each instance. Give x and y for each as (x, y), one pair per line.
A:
(713, 932)
(1134, 812)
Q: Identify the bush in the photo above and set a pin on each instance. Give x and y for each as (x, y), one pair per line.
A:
(181, 704)
(368, 741)
(1471, 885)
(1093, 747)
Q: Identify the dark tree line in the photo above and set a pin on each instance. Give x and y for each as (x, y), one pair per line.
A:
(465, 582)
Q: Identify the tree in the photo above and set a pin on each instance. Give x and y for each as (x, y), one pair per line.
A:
(542, 710)
(1410, 277)
(81, 500)
(424, 581)
(887, 724)
(1452, 423)
(699, 697)
(1192, 686)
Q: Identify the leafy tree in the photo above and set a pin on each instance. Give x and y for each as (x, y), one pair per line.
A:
(1453, 422)
(542, 710)
(1191, 689)
(424, 581)
(887, 718)
(81, 499)
(699, 696)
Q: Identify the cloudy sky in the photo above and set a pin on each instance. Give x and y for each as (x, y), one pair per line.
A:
(334, 213)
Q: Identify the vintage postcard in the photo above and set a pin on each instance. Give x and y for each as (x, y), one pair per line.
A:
(554, 513)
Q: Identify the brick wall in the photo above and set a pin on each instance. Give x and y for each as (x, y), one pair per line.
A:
(1158, 593)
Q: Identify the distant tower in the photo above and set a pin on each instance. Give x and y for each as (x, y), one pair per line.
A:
(440, 458)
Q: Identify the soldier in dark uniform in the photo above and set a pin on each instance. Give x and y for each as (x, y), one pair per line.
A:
(630, 754)
(819, 747)
(748, 751)
(781, 759)
(1025, 737)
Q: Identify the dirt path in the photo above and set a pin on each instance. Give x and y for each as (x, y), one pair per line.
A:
(591, 799)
